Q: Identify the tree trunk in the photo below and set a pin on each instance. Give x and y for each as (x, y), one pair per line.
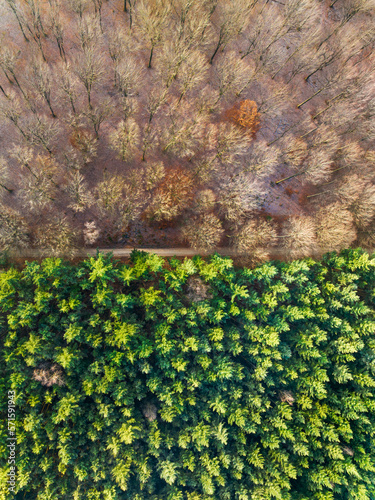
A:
(72, 104)
(6, 188)
(61, 50)
(311, 97)
(7, 77)
(151, 53)
(21, 28)
(317, 194)
(215, 51)
(50, 107)
(290, 177)
(130, 14)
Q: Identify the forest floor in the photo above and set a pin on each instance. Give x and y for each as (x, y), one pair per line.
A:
(280, 202)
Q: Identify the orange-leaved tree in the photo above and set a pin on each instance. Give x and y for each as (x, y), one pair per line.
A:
(245, 115)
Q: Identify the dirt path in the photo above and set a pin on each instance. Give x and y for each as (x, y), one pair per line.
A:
(83, 253)
(125, 252)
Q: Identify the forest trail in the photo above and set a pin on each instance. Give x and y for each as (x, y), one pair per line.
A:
(125, 252)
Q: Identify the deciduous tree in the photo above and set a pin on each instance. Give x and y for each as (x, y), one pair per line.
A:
(13, 230)
(334, 227)
(202, 231)
(298, 237)
(89, 68)
(125, 139)
(152, 18)
(56, 237)
(254, 234)
(79, 193)
(239, 194)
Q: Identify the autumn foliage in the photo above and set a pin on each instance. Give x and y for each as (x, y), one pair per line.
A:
(245, 115)
(171, 196)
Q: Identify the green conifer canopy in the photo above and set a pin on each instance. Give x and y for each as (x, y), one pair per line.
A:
(193, 380)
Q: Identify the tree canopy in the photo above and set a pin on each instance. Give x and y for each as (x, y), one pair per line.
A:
(190, 380)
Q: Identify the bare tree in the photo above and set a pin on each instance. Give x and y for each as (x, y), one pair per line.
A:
(366, 238)
(49, 374)
(185, 132)
(38, 186)
(56, 237)
(39, 131)
(11, 109)
(90, 233)
(67, 85)
(13, 230)
(35, 25)
(239, 195)
(125, 139)
(89, 68)
(78, 192)
(118, 202)
(193, 72)
(363, 206)
(85, 142)
(41, 80)
(171, 196)
(169, 60)
(348, 10)
(203, 231)
(357, 194)
(37, 193)
(154, 174)
(339, 48)
(230, 74)
(332, 78)
(4, 175)
(298, 237)
(98, 5)
(78, 6)
(306, 44)
(197, 290)
(192, 21)
(132, 4)
(261, 159)
(129, 77)
(232, 17)
(149, 141)
(272, 99)
(89, 32)
(254, 234)
(19, 15)
(56, 27)
(318, 165)
(98, 114)
(204, 201)
(226, 143)
(152, 19)
(24, 156)
(334, 227)
(8, 61)
(155, 99)
(294, 151)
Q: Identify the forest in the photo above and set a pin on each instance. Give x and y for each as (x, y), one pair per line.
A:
(209, 123)
(190, 379)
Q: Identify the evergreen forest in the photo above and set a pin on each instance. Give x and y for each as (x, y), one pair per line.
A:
(190, 379)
